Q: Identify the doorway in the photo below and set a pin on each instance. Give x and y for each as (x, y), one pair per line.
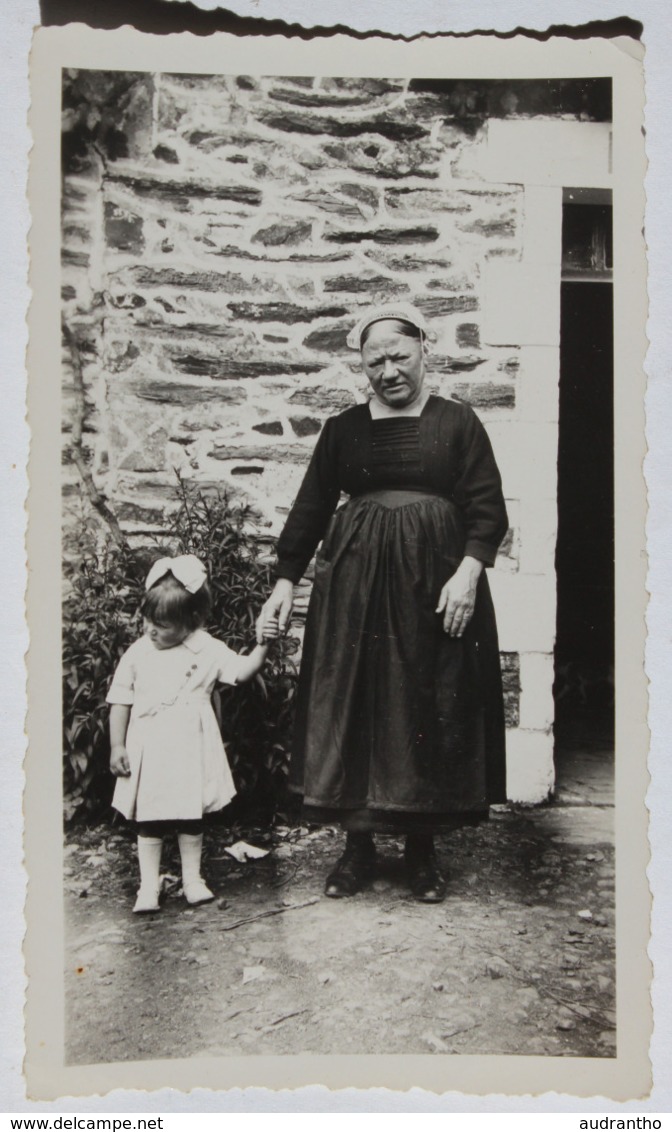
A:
(584, 651)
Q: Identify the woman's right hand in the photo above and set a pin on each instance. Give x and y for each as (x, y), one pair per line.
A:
(119, 763)
(276, 611)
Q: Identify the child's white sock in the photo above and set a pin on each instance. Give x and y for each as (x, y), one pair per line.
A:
(149, 859)
(196, 890)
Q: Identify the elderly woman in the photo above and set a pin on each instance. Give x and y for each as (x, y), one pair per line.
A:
(399, 722)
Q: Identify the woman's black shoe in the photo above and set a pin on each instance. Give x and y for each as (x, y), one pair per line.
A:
(352, 871)
(425, 879)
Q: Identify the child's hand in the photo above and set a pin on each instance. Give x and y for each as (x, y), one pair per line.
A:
(271, 630)
(277, 609)
(119, 763)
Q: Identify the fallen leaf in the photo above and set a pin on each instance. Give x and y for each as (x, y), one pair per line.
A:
(242, 852)
(496, 968)
(252, 973)
(95, 859)
(458, 1026)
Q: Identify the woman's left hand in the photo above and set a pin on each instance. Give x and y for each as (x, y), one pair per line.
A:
(458, 597)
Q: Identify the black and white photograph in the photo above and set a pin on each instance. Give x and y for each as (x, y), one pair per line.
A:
(338, 604)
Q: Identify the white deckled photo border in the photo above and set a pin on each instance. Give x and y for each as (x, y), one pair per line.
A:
(627, 1075)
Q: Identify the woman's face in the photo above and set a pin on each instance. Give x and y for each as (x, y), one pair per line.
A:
(394, 364)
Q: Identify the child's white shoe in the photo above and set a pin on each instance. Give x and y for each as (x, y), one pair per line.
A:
(194, 887)
(197, 892)
(147, 899)
(149, 859)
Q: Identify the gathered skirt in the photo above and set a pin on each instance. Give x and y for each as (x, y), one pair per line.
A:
(398, 725)
(179, 768)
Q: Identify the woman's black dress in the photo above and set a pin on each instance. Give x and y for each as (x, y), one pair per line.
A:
(398, 725)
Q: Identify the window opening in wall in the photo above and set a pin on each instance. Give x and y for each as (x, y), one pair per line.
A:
(584, 652)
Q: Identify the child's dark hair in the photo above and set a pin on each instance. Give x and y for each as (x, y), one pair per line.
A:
(169, 602)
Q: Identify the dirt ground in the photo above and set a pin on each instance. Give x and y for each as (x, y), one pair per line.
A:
(518, 960)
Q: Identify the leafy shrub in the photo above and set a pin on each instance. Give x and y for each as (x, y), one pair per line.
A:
(105, 586)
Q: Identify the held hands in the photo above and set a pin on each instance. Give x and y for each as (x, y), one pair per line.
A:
(458, 597)
(273, 620)
(119, 764)
(271, 631)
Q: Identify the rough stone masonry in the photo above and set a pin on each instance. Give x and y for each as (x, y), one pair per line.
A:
(220, 235)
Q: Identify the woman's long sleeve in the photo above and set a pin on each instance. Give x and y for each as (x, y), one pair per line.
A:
(478, 492)
(315, 504)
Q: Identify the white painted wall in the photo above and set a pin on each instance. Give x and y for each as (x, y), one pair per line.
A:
(522, 309)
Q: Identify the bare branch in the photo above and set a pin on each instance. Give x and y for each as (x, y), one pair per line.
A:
(96, 499)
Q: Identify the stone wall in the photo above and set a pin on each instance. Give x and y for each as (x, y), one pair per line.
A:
(222, 233)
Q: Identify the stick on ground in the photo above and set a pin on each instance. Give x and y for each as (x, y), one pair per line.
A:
(270, 912)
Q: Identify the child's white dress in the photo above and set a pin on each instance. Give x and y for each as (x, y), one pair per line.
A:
(179, 768)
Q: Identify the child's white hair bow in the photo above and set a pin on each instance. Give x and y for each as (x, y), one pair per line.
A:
(187, 568)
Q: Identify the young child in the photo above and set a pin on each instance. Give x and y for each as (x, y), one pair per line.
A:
(167, 751)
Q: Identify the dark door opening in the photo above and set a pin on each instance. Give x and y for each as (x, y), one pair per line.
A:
(584, 652)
